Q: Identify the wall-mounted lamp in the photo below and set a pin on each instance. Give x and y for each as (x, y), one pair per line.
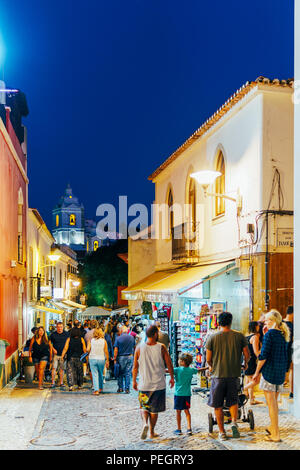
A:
(207, 177)
(53, 257)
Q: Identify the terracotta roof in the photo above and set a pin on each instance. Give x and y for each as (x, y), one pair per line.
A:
(123, 257)
(237, 96)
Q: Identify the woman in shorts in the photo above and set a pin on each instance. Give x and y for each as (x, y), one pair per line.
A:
(272, 364)
(40, 353)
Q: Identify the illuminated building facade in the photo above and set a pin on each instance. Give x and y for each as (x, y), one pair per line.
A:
(68, 222)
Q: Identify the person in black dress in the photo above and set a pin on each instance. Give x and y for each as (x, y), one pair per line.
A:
(40, 353)
(254, 346)
(74, 348)
(289, 320)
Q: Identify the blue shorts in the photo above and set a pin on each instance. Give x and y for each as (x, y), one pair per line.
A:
(223, 391)
(42, 359)
(182, 403)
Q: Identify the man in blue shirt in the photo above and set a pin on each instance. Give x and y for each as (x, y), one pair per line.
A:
(123, 354)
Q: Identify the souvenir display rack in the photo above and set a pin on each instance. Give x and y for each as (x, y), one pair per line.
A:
(175, 342)
(196, 322)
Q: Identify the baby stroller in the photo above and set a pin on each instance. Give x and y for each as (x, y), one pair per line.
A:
(244, 415)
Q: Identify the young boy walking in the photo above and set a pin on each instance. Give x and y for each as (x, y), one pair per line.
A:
(182, 400)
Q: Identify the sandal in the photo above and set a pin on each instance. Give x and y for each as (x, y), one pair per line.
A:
(269, 439)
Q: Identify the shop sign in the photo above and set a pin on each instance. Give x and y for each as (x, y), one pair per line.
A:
(219, 307)
(285, 238)
(46, 291)
(58, 293)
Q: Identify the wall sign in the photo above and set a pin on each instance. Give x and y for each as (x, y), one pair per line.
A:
(285, 238)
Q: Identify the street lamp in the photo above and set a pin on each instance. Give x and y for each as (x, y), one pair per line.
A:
(207, 177)
(53, 258)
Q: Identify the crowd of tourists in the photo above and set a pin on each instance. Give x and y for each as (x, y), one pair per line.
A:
(125, 351)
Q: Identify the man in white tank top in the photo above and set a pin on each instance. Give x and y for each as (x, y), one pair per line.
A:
(151, 360)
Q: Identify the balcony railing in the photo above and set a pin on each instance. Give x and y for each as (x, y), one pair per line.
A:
(185, 243)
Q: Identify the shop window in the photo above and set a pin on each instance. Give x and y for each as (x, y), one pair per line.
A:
(72, 219)
(96, 245)
(220, 185)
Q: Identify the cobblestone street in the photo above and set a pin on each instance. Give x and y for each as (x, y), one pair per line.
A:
(55, 419)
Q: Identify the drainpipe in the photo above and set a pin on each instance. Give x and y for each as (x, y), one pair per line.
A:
(267, 264)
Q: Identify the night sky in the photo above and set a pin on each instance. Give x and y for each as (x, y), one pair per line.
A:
(114, 87)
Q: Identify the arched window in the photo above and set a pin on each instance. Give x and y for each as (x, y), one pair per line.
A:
(192, 204)
(20, 225)
(72, 219)
(170, 214)
(96, 245)
(220, 185)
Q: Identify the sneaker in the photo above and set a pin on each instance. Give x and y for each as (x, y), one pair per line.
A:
(235, 431)
(127, 391)
(120, 390)
(222, 436)
(144, 431)
(52, 386)
(189, 431)
(70, 389)
(291, 395)
(178, 432)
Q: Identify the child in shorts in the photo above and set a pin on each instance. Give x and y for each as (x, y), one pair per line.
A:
(182, 400)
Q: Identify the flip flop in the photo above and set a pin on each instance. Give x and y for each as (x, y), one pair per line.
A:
(144, 431)
(269, 439)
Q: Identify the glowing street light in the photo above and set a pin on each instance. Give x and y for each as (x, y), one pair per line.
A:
(207, 177)
(53, 257)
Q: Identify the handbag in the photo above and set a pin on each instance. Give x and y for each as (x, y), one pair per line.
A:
(116, 369)
(83, 357)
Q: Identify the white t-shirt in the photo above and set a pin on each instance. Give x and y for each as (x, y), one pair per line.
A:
(97, 349)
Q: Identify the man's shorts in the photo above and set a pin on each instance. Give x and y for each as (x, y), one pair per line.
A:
(182, 403)
(58, 363)
(223, 390)
(153, 402)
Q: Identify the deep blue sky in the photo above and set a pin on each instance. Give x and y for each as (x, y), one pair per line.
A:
(115, 86)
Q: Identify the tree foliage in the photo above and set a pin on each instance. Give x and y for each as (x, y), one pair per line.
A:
(102, 272)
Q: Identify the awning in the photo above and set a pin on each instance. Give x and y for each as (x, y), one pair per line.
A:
(170, 285)
(135, 292)
(70, 303)
(96, 312)
(47, 309)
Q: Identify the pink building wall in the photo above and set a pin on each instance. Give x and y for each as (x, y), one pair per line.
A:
(12, 279)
